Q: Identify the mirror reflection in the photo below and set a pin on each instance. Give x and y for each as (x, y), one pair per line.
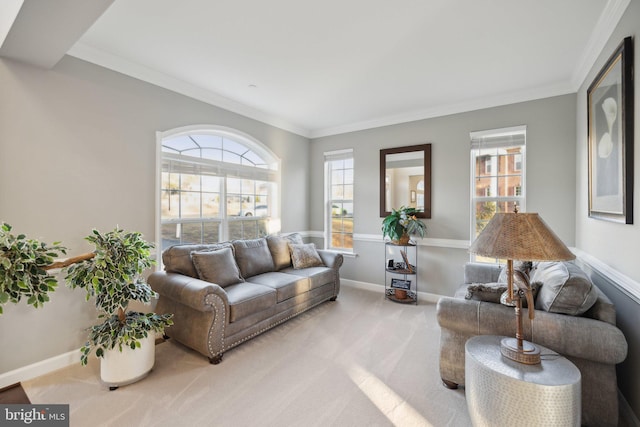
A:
(405, 179)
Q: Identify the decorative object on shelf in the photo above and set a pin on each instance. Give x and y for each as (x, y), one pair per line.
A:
(401, 278)
(407, 264)
(524, 237)
(610, 128)
(114, 277)
(401, 224)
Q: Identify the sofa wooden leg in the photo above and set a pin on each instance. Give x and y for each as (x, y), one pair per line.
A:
(449, 384)
(215, 360)
(333, 298)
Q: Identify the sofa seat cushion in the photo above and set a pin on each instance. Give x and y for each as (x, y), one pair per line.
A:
(279, 247)
(286, 285)
(318, 276)
(247, 298)
(565, 288)
(217, 267)
(253, 256)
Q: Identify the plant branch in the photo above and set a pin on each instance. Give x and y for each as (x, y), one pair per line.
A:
(73, 260)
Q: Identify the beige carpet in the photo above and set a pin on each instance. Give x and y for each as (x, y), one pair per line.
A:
(360, 361)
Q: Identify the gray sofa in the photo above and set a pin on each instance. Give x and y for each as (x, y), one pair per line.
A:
(583, 329)
(222, 295)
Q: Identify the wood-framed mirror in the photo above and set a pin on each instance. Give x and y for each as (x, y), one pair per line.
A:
(405, 179)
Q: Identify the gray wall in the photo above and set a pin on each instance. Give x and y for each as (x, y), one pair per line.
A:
(550, 185)
(78, 152)
(617, 245)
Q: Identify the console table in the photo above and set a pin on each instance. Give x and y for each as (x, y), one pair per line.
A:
(500, 391)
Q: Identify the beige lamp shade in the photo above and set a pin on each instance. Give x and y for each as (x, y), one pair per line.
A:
(520, 236)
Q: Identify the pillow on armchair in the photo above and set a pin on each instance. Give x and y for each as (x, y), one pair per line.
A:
(565, 288)
(492, 292)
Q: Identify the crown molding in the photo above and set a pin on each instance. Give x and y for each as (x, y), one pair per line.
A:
(146, 74)
(604, 28)
(463, 107)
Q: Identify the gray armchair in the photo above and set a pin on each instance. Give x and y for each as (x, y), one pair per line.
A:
(591, 341)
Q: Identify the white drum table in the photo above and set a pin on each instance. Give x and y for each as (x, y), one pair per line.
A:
(502, 392)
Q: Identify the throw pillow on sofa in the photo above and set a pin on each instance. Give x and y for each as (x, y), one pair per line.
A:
(565, 288)
(279, 247)
(305, 256)
(177, 258)
(253, 257)
(217, 266)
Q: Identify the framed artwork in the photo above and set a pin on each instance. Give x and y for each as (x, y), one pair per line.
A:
(610, 130)
(401, 284)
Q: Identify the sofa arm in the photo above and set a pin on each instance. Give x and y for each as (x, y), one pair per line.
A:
(571, 336)
(331, 259)
(186, 290)
(478, 272)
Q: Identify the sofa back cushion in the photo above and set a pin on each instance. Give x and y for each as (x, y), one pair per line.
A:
(177, 259)
(565, 288)
(253, 256)
(279, 248)
(218, 266)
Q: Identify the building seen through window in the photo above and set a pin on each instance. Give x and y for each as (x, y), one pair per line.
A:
(498, 174)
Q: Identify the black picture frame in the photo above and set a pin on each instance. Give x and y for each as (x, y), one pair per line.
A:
(426, 172)
(610, 133)
(401, 284)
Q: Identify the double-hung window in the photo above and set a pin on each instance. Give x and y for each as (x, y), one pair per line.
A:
(498, 174)
(216, 184)
(339, 200)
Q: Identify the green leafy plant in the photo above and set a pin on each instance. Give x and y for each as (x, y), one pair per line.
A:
(402, 221)
(23, 268)
(114, 277)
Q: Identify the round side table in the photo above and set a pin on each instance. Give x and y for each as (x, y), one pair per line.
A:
(502, 392)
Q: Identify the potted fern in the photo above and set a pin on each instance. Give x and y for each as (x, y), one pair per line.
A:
(125, 340)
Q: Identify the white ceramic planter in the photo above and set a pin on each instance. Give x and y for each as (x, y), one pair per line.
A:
(124, 367)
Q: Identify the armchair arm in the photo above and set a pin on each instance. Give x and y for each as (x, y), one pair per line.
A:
(571, 336)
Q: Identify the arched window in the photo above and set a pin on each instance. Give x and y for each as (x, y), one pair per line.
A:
(215, 184)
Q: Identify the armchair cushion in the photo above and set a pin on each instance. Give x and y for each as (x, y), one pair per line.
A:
(217, 267)
(565, 288)
(489, 292)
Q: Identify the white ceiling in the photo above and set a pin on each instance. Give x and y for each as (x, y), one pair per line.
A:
(325, 67)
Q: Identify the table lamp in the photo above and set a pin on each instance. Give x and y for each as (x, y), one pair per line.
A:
(524, 237)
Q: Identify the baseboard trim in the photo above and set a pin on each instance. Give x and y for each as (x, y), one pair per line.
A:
(422, 296)
(39, 368)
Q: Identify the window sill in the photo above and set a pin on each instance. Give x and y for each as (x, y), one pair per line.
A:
(346, 254)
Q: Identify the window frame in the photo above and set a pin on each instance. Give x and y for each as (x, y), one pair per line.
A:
(271, 173)
(329, 201)
(496, 139)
